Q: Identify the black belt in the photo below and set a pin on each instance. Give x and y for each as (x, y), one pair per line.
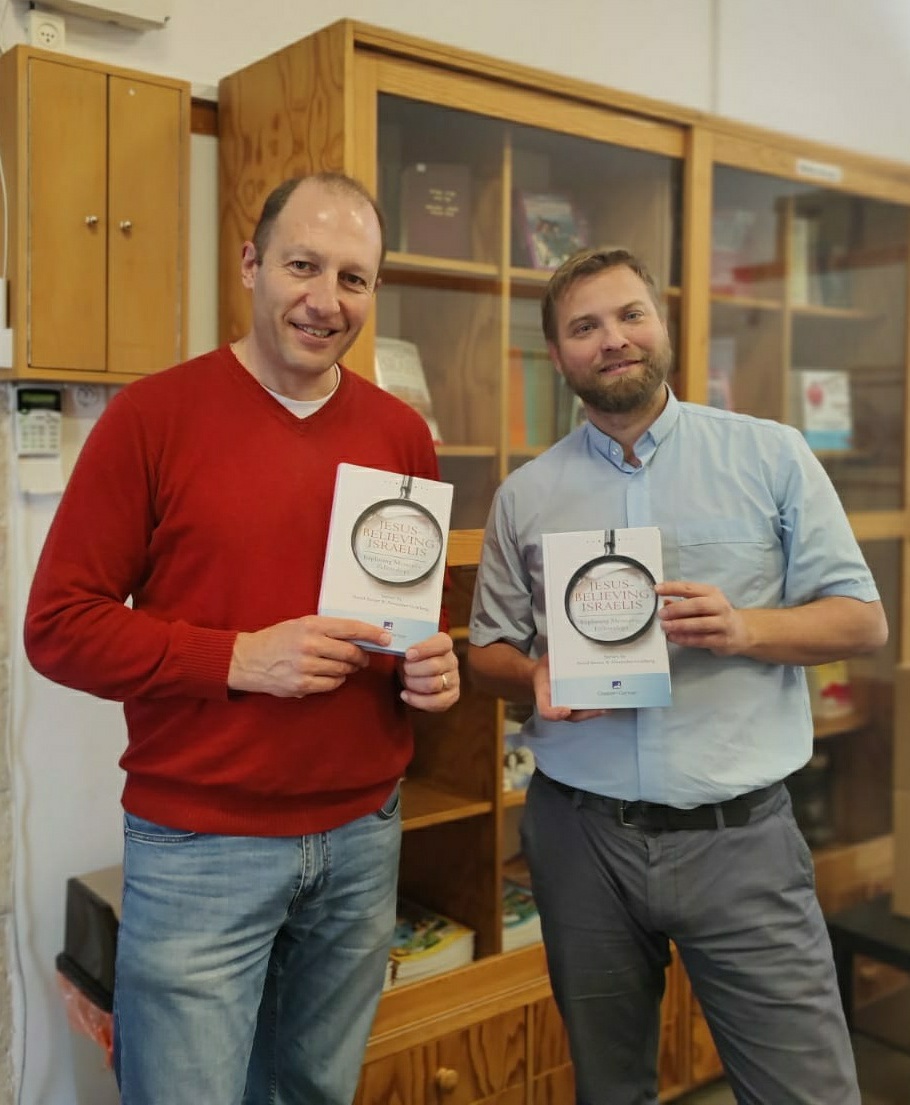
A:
(650, 816)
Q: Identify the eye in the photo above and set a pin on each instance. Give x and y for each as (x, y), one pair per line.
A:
(301, 266)
(634, 315)
(354, 280)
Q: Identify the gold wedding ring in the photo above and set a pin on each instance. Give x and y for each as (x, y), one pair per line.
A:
(445, 681)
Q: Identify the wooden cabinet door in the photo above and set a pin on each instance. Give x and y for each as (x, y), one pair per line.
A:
(145, 260)
(67, 216)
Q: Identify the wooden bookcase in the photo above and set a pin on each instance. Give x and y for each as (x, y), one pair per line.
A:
(724, 215)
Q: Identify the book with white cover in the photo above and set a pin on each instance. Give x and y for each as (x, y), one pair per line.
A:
(385, 554)
(606, 646)
(520, 919)
(399, 370)
(427, 943)
(821, 407)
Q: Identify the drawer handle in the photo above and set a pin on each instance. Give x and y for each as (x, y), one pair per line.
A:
(446, 1079)
(126, 225)
(91, 220)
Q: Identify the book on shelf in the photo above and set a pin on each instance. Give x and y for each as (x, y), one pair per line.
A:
(731, 228)
(436, 209)
(385, 553)
(399, 370)
(520, 919)
(532, 411)
(721, 371)
(804, 285)
(427, 943)
(820, 406)
(830, 690)
(570, 410)
(549, 229)
(606, 646)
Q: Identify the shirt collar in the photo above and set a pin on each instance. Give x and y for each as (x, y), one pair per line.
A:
(646, 445)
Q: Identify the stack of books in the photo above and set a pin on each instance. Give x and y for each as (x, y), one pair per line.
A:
(520, 919)
(427, 943)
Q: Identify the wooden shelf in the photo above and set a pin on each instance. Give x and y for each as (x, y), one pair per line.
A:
(846, 723)
(396, 263)
(467, 451)
(819, 311)
(513, 798)
(424, 804)
(745, 302)
(410, 1015)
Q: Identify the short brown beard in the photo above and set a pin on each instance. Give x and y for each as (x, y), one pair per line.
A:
(631, 391)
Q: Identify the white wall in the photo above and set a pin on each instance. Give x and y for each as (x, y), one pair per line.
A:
(833, 70)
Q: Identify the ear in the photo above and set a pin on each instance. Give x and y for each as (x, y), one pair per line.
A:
(554, 357)
(249, 264)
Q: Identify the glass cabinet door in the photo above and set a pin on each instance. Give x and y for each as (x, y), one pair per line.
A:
(809, 323)
(439, 313)
(480, 211)
(567, 193)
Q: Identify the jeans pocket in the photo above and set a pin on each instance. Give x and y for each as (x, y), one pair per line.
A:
(391, 805)
(138, 828)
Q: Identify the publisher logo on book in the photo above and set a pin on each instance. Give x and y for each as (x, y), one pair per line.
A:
(616, 685)
(388, 624)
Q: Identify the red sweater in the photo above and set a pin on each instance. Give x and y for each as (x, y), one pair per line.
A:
(198, 494)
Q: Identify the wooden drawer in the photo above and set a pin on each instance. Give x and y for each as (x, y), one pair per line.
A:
(472, 1065)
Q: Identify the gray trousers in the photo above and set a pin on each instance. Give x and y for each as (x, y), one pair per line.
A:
(740, 905)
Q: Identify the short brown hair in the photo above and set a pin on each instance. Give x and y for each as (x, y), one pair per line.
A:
(587, 262)
(278, 197)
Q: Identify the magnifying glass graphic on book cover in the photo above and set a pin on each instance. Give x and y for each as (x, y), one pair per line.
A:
(611, 598)
(397, 541)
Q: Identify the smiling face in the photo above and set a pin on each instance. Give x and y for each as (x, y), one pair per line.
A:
(611, 343)
(312, 287)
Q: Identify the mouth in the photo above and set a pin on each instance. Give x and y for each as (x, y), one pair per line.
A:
(617, 368)
(313, 331)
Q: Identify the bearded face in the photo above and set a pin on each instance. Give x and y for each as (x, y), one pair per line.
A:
(612, 346)
(638, 380)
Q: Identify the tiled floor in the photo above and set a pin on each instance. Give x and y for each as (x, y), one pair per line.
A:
(884, 1077)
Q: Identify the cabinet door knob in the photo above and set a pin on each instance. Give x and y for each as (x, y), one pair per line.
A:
(91, 220)
(446, 1079)
(126, 225)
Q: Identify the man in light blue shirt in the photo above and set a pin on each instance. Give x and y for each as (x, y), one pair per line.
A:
(672, 823)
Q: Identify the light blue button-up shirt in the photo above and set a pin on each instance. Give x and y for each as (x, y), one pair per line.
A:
(741, 503)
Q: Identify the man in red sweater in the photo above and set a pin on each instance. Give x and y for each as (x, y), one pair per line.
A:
(262, 824)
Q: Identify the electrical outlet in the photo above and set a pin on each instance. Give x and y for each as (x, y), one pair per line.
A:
(46, 30)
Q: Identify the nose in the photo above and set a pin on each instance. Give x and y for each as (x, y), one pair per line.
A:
(614, 336)
(322, 293)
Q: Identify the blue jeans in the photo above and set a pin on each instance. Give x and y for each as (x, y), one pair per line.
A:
(251, 962)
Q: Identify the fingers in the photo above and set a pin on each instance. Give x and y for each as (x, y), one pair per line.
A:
(429, 672)
(350, 629)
